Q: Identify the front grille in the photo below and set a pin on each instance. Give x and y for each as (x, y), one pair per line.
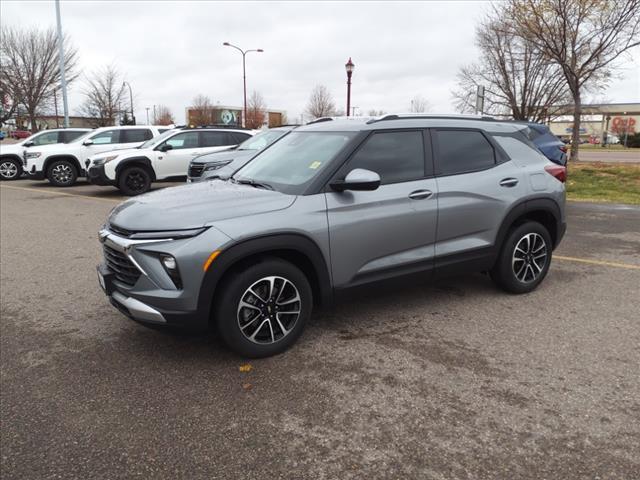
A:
(195, 169)
(125, 271)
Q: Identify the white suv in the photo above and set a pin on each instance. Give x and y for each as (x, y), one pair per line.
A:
(62, 164)
(11, 156)
(165, 157)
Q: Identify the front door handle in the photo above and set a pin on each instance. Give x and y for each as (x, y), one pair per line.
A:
(508, 182)
(420, 194)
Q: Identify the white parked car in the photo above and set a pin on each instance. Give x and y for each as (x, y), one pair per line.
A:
(63, 164)
(12, 156)
(132, 171)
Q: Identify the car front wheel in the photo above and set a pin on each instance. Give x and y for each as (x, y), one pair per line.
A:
(524, 259)
(10, 169)
(62, 173)
(263, 309)
(134, 181)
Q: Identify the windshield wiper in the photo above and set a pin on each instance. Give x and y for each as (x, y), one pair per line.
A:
(253, 183)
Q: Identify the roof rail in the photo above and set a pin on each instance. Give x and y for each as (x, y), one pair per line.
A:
(413, 116)
(215, 125)
(320, 120)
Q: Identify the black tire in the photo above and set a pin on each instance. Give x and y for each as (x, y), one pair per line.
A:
(62, 173)
(10, 169)
(134, 181)
(520, 271)
(230, 315)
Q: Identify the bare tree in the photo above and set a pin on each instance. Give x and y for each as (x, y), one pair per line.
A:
(518, 80)
(376, 113)
(584, 37)
(256, 111)
(163, 116)
(201, 110)
(30, 68)
(104, 96)
(321, 103)
(419, 104)
(8, 99)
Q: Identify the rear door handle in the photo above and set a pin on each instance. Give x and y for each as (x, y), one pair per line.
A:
(420, 194)
(508, 182)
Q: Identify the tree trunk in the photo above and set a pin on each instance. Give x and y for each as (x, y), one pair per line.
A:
(575, 135)
(32, 119)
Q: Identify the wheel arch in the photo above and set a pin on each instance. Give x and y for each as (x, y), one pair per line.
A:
(141, 161)
(545, 211)
(295, 248)
(72, 158)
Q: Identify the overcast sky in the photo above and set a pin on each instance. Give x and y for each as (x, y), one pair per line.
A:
(171, 51)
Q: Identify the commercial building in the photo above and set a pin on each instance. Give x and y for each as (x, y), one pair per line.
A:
(230, 115)
(612, 119)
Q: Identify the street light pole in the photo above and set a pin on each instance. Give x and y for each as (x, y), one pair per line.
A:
(244, 76)
(63, 79)
(147, 108)
(133, 117)
(349, 66)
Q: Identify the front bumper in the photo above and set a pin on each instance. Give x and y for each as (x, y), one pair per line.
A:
(97, 176)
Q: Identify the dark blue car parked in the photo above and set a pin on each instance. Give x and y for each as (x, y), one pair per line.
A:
(551, 146)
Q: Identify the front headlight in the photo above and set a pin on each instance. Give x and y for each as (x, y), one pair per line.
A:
(102, 160)
(215, 166)
(33, 154)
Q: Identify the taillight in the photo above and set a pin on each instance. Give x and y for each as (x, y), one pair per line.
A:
(563, 148)
(557, 171)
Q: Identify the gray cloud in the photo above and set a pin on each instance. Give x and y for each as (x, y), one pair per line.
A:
(172, 50)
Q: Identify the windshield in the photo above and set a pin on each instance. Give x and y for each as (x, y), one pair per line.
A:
(155, 140)
(292, 163)
(261, 140)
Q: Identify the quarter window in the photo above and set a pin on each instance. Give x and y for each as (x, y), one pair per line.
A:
(395, 156)
(69, 135)
(463, 151)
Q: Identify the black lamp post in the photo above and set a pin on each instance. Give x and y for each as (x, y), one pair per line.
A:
(349, 66)
(244, 76)
(133, 117)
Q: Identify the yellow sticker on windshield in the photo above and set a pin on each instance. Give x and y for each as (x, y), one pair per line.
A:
(315, 165)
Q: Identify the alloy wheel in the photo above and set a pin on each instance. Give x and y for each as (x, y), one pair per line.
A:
(529, 257)
(269, 310)
(136, 181)
(8, 170)
(62, 173)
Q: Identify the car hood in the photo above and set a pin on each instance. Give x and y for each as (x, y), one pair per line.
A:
(14, 148)
(224, 156)
(195, 205)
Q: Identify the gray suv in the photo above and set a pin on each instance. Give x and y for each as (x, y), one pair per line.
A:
(333, 205)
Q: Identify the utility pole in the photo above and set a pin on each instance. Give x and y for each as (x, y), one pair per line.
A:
(147, 108)
(63, 79)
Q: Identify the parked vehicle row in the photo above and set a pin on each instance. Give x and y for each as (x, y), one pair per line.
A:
(329, 206)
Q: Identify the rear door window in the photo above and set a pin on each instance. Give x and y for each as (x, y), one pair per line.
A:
(461, 151)
(215, 139)
(136, 135)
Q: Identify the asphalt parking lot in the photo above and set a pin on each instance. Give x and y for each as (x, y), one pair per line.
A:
(452, 380)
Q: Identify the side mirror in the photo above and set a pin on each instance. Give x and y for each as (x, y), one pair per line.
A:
(165, 147)
(87, 142)
(357, 179)
(29, 143)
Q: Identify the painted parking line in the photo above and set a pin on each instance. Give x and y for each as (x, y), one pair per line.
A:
(53, 192)
(597, 262)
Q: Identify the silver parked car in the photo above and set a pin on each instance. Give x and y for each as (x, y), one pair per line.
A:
(332, 205)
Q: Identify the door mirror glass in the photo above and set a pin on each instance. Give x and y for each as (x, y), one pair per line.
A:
(357, 179)
(87, 142)
(166, 146)
(29, 143)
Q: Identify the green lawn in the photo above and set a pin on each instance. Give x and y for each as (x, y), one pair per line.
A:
(615, 147)
(601, 182)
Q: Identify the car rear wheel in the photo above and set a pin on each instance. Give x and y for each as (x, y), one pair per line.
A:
(10, 169)
(524, 259)
(62, 173)
(263, 309)
(134, 181)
